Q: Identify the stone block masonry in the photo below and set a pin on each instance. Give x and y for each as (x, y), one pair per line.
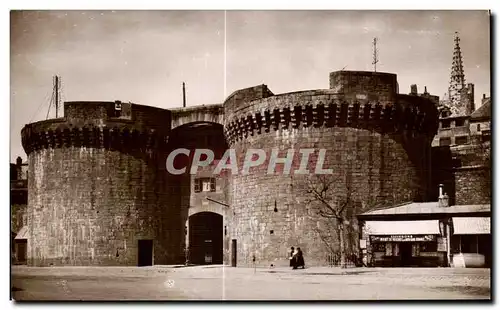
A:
(377, 140)
(99, 181)
(98, 186)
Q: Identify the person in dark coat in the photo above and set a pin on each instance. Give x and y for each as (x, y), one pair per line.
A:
(300, 259)
(291, 256)
(294, 258)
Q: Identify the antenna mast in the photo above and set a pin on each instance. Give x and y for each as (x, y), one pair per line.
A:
(183, 95)
(375, 54)
(57, 81)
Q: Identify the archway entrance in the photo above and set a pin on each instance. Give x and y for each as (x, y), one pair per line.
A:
(205, 238)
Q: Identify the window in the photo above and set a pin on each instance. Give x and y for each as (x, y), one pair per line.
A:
(478, 127)
(468, 243)
(444, 141)
(378, 247)
(445, 124)
(486, 136)
(428, 247)
(445, 113)
(415, 250)
(459, 122)
(461, 140)
(204, 185)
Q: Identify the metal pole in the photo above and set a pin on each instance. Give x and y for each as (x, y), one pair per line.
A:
(183, 94)
(57, 94)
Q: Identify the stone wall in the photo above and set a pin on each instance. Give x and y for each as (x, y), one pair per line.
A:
(472, 173)
(91, 206)
(208, 135)
(473, 185)
(17, 217)
(213, 113)
(379, 168)
(380, 147)
(374, 86)
(99, 180)
(98, 185)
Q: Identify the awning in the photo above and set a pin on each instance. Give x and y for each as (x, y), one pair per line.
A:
(22, 234)
(430, 227)
(471, 225)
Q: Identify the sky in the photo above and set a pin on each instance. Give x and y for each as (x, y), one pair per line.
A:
(144, 56)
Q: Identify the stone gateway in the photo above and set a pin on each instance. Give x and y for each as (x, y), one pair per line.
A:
(100, 192)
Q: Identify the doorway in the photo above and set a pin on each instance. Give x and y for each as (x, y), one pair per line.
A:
(205, 238)
(145, 251)
(405, 249)
(233, 253)
(21, 251)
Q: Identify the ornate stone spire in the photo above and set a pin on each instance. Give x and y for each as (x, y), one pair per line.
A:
(457, 79)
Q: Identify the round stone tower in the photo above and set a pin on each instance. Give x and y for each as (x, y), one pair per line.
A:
(98, 190)
(376, 141)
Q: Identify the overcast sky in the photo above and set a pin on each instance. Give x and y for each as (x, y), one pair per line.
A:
(144, 56)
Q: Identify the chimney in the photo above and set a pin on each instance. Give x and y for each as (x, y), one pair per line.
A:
(425, 90)
(443, 199)
(19, 169)
(413, 89)
(484, 96)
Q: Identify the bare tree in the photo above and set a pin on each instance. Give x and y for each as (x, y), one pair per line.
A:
(326, 202)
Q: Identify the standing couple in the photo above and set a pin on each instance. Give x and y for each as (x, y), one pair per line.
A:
(297, 258)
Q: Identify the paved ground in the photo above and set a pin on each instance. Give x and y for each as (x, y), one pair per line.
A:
(226, 283)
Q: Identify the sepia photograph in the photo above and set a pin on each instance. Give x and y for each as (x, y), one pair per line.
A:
(250, 155)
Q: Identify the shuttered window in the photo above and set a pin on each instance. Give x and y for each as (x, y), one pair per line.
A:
(204, 185)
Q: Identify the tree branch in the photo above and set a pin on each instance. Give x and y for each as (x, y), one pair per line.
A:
(324, 202)
(323, 238)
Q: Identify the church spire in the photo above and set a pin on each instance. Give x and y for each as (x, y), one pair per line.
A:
(457, 79)
(460, 95)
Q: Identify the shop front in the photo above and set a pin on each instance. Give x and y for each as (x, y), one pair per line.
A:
(404, 244)
(406, 251)
(427, 234)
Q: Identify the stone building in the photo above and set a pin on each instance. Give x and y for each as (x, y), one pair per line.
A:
(461, 148)
(455, 233)
(18, 203)
(100, 192)
(427, 234)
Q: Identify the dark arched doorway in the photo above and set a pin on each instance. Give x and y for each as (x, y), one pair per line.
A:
(205, 238)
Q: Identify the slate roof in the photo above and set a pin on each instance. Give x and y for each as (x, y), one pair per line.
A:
(484, 111)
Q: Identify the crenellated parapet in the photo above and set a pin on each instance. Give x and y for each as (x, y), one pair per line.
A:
(101, 125)
(322, 108)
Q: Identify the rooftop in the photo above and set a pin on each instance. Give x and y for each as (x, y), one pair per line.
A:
(483, 112)
(428, 208)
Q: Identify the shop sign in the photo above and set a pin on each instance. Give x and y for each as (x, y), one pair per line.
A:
(441, 244)
(403, 238)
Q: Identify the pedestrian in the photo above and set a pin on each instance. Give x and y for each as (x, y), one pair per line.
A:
(294, 259)
(291, 256)
(300, 259)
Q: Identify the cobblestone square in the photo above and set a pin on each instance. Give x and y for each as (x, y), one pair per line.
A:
(227, 283)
